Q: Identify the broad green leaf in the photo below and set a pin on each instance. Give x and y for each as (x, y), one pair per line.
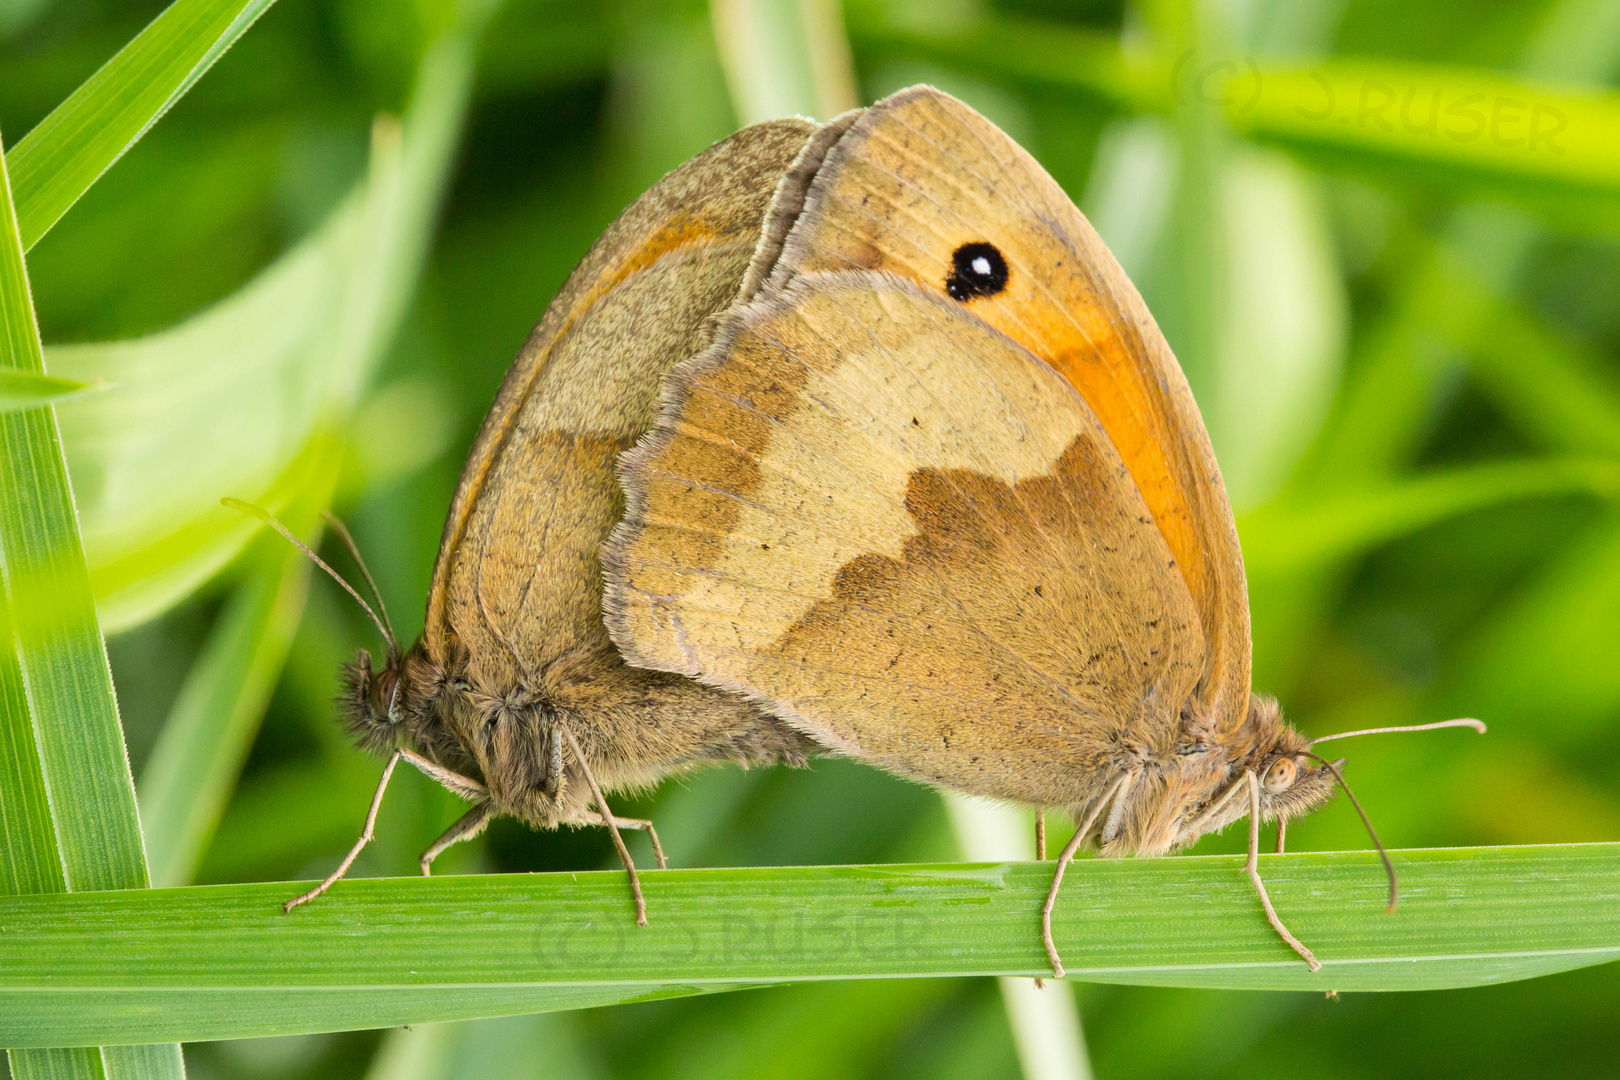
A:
(81, 139)
(229, 402)
(223, 961)
(1288, 537)
(29, 389)
(194, 766)
(72, 823)
(225, 404)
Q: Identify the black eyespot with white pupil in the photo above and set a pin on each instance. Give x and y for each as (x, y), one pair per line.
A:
(977, 270)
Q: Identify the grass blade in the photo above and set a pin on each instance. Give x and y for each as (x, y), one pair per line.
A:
(69, 150)
(1044, 1021)
(223, 961)
(76, 804)
(783, 59)
(1289, 537)
(67, 687)
(231, 402)
(415, 1053)
(1459, 125)
(1490, 128)
(30, 389)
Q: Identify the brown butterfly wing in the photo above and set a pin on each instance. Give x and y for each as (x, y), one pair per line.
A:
(910, 537)
(919, 175)
(519, 558)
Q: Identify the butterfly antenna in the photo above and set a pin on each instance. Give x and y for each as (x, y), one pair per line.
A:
(354, 549)
(270, 520)
(1466, 721)
(1389, 867)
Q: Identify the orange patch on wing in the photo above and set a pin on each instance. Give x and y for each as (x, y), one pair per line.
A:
(1110, 379)
(680, 231)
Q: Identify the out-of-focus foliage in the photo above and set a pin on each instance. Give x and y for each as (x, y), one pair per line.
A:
(1403, 336)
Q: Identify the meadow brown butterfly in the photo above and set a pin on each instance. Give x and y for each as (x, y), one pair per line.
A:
(514, 698)
(939, 497)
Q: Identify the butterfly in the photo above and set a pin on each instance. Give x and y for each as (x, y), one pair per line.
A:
(514, 698)
(939, 497)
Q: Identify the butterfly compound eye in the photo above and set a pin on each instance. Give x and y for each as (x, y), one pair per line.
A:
(1280, 777)
(976, 270)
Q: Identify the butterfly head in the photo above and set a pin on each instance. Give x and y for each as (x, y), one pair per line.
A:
(1203, 785)
(370, 701)
(396, 704)
(1293, 781)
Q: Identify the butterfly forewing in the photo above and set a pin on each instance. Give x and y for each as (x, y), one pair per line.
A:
(538, 492)
(921, 185)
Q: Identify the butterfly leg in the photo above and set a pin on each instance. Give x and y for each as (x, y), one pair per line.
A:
(1252, 868)
(469, 824)
(612, 822)
(1064, 858)
(1282, 833)
(466, 827)
(1040, 856)
(464, 786)
(365, 838)
(645, 826)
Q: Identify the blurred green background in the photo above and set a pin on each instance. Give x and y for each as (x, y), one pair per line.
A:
(1405, 344)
